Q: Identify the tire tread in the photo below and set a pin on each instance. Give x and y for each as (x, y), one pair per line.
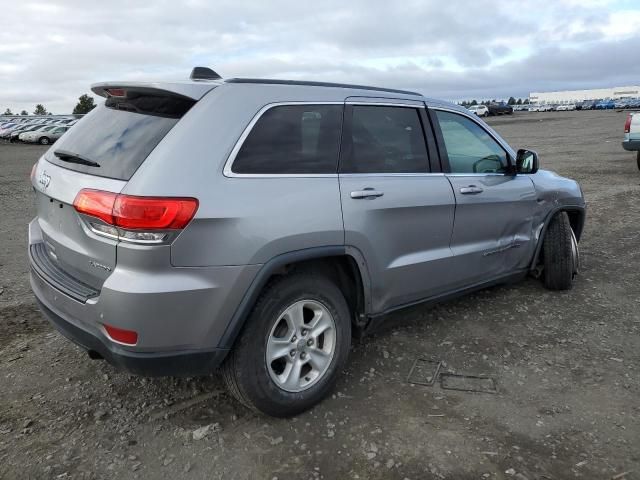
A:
(557, 249)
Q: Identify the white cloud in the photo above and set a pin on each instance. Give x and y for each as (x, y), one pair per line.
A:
(51, 51)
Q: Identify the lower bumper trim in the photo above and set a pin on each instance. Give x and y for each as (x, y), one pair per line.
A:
(182, 363)
(631, 145)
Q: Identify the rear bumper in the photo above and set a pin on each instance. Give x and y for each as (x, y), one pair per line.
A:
(631, 145)
(179, 313)
(147, 364)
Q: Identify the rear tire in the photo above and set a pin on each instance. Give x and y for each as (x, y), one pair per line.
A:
(260, 378)
(561, 256)
(638, 159)
(44, 141)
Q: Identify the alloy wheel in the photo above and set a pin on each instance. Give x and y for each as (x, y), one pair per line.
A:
(301, 345)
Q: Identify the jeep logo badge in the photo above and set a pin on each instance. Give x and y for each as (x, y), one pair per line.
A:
(44, 180)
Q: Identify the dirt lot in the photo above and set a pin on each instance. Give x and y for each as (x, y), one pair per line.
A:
(566, 365)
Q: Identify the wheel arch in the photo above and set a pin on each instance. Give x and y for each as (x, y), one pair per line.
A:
(344, 265)
(576, 214)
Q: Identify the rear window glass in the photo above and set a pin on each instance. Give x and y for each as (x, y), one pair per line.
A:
(292, 139)
(119, 135)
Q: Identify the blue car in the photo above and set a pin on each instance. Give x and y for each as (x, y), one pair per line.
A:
(605, 105)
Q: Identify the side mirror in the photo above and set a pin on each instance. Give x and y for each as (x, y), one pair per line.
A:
(527, 161)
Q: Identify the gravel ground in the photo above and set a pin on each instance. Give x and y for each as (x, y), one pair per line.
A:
(566, 366)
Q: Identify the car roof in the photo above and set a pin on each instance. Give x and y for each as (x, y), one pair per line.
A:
(196, 89)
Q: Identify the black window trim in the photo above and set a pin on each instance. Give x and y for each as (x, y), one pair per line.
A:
(227, 170)
(442, 149)
(345, 144)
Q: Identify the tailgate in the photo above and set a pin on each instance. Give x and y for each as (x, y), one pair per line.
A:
(101, 152)
(70, 246)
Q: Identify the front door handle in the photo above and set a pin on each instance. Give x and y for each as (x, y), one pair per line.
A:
(471, 190)
(368, 193)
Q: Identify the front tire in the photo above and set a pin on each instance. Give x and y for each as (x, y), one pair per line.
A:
(293, 346)
(561, 255)
(44, 141)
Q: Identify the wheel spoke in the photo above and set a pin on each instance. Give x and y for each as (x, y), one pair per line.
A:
(320, 324)
(295, 315)
(278, 348)
(292, 375)
(319, 359)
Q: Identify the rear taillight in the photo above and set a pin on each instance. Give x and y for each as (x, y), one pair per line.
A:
(33, 172)
(627, 124)
(120, 335)
(135, 218)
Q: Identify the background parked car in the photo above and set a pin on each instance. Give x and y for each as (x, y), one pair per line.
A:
(586, 105)
(480, 110)
(14, 136)
(605, 105)
(41, 130)
(539, 108)
(499, 108)
(566, 107)
(44, 137)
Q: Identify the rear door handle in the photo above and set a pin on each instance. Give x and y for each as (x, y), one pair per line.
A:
(369, 193)
(471, 190)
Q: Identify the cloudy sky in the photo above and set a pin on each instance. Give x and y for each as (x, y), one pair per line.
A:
(52, 50)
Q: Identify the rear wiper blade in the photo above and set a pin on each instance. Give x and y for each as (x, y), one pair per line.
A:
(74, 158)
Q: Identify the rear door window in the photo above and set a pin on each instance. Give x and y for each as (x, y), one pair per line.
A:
(385, 140)
(292, 139)
(119, 135)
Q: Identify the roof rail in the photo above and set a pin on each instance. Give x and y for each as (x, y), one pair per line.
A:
(266, 81)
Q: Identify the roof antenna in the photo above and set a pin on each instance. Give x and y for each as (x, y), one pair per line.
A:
(204, 73)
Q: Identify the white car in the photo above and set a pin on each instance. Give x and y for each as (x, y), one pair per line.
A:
(480, 110)
(539, 108)
(631, 141)
(567, 107)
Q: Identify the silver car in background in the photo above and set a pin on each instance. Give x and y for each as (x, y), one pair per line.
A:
(44, 136)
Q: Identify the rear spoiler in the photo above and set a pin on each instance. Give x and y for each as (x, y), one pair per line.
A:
(193, 90)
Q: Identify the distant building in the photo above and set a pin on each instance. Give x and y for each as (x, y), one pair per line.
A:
(572, 96)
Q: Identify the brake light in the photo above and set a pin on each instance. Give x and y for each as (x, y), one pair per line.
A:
(116, 92)
(121, 335)
(97, 204)
(33, 172)
(627, 124)
(136, 213)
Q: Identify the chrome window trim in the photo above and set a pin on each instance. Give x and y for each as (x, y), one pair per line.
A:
(419, 174)
(386, 104)
(505, 146)
(227, 170)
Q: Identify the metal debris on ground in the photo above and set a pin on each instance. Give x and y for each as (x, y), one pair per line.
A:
(468, 383)
(424, 372)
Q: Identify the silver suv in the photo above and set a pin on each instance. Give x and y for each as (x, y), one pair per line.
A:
(257, 225)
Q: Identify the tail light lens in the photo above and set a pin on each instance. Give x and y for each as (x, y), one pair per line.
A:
(140, 214)
(627, 124)
(33, 172)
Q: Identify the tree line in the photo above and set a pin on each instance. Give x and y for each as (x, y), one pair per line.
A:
(85, 105)
(511, 101)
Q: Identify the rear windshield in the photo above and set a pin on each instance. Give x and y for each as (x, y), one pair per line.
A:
(115, 138)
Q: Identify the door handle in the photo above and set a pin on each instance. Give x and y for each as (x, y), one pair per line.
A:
(368, 193)
(471, 190)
